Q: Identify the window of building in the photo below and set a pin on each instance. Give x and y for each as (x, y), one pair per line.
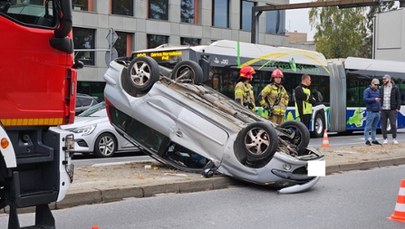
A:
(190, 41)
(84, 39)
(159, 9)
(246, 15)
(220, 13)
(122, 7)
(189, 11)
(36, 2)
(124, 44)
(85, 5)
(156, 40)
(91, 88)
(275, 22)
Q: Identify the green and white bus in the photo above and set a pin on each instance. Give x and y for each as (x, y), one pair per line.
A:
(338, 84)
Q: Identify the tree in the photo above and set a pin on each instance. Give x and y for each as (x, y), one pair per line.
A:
(340, 32)
(345, 32)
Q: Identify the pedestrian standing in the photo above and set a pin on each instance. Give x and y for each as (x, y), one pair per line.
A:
(390, 105)
(304, 100)
(243, 89)
(274, 97)
(371, 97)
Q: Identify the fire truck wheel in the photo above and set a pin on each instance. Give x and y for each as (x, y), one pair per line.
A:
(140, 76)
(187, 72)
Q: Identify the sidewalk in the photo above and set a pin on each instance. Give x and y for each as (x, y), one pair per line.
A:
(99, 184)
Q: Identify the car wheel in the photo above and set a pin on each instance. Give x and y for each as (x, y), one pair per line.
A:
(187, 72)
(319, 125)
(300, 135)
(105, 145)
(256, 142)
(140, 75)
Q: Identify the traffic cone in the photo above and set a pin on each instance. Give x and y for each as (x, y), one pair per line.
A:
(95, 227)
(325, 140)
(399, 211)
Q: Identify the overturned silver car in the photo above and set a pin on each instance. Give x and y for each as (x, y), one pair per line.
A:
(194, 128)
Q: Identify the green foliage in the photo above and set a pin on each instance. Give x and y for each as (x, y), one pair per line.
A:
(345, 32)
(340, 32)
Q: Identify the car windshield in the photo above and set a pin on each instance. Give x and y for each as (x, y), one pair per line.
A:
(97, 110)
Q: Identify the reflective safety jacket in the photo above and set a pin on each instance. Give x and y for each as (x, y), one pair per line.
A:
(244, 92)
(275, 96)
(303, 100)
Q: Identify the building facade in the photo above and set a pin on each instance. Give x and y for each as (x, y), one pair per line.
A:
(140, 24)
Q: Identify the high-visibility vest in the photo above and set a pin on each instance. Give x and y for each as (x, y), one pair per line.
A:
(306, 105)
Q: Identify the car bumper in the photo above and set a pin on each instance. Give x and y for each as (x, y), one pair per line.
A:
(299, 187)
(83, 144)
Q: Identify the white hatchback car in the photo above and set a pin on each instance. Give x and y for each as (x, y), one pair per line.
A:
(94, 134)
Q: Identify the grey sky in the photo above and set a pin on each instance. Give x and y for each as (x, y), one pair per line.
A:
(297, 20)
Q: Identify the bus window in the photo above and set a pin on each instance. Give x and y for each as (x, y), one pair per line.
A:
(400, 82)
(356, 84)
(227, 81)
(320, 88)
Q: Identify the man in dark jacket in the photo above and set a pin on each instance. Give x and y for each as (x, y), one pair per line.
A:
(390, 105)
(371, 97)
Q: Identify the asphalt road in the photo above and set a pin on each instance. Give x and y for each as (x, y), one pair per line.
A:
(358, 199)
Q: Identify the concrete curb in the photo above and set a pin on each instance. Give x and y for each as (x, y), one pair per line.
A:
(115, 194)
(365, 165)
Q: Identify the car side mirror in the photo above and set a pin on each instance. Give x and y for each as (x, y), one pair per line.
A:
(78, 64)
(209, 169)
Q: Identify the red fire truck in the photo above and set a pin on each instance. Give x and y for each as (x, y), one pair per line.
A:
(37, 93)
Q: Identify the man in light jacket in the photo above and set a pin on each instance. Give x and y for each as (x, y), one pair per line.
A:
(390, 105)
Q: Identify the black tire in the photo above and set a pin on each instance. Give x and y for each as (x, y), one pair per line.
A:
(105, 145)
(187, 72)
(5, 189)
(256, 142)
(140, 75)
(319, 125)
(300, 133)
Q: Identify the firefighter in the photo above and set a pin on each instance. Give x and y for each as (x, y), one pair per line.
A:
(243, 89)
(274, 97)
